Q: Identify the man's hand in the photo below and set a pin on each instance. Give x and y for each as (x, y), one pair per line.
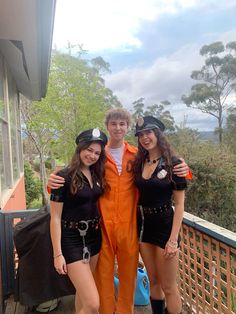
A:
(181, 170)
(55, 181)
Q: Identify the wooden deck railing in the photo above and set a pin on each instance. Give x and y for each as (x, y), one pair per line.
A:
(207, 268)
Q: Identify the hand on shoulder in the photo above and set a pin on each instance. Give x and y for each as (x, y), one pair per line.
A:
(55, 181)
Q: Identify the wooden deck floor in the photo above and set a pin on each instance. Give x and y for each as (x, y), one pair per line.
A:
(66, 306)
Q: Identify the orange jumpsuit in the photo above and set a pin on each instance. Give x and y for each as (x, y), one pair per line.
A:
(119, 237)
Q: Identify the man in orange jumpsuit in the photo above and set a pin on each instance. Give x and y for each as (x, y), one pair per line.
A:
(118, 208)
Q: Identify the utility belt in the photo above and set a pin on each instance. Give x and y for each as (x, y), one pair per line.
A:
(155, 210)
(144, 210)
(81, 225)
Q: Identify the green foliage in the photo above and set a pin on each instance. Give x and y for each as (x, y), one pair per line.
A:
(212, 49)
(159, 111)
(218, 82)
(211, 194)
(36, 166)
(77, 97)
(183, 141)
(33, 186)
(48, 164)
(230, 130)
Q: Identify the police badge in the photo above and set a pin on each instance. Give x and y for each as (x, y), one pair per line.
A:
(162, 174)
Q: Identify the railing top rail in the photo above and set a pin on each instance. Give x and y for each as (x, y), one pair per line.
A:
(18, 213)
(219, 233)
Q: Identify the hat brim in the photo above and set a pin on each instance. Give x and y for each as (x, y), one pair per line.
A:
(150, 127)
(91, 139)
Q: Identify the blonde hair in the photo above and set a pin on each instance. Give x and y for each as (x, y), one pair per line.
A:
(118, 113)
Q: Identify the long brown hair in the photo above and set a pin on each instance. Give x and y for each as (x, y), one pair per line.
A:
(97, 169)
(165, 150)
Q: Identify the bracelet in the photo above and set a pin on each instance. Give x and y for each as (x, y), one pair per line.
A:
(172, 244)
(57, 255)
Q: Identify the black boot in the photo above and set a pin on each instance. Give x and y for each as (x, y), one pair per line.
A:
(158, 306)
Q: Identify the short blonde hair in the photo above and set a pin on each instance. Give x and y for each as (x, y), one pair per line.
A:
(118, 113)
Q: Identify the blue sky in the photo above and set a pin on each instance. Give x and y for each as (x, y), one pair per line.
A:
(152, 45)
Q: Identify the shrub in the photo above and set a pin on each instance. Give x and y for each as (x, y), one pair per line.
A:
(33, 186)
(211, 194)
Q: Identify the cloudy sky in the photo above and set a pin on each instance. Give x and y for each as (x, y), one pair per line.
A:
(152, 45)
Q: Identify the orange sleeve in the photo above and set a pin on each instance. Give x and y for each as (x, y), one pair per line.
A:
(48, 189)
(189, 176)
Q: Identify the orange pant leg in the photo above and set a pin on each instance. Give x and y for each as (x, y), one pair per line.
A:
(104, 275)
(119, 240)
(127, 258)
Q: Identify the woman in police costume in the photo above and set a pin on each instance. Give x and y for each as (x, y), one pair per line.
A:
(75, 220)
(158, 223)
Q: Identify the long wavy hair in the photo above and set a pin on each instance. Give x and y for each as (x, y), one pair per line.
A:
(165, 150)
(97, 169)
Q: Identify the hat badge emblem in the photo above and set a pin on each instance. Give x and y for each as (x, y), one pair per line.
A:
(96, 132)
(140, 121)
(162, 174)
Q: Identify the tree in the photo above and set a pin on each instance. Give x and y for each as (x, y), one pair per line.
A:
(211, 194)
(33, 186)
(138, 108)
(38, 127)
(159, 111)
(230, 130)
(77, 99)
(217, 80)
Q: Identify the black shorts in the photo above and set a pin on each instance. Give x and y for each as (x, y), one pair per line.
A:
(72, 243)
(156, 227)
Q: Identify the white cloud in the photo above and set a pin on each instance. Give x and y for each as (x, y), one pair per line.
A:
(111, 25)
(108, 24)
(166, 78)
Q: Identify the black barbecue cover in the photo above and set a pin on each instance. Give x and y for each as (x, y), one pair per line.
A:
(36, 279)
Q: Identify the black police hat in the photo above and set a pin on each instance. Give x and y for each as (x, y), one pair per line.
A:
(148, 123)
(92, 135)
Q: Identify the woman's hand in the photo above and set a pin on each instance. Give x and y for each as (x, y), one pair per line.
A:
(55, 181)
(60, 265)
(182, 169)
(171, 249)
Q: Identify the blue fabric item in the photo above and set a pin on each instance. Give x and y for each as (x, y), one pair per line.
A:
(142, 292)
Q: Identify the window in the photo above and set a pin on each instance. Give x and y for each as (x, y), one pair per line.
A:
(4, 138)
(11, 160)
(15, 127)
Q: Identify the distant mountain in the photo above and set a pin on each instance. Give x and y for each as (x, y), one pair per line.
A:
(208, 136)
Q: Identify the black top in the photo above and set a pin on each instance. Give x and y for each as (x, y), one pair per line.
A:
(82, 205)
(155, 192)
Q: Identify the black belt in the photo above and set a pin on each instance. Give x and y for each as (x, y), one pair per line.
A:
(155, 210)
(81, 224)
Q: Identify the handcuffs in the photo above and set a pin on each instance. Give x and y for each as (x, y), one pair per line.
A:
(82, 232)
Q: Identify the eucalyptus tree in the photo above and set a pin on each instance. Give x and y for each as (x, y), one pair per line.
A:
(138, 108)
(77, 99)
(230, 129)
(157, 110)
(217, 82)
(38, 127)
(160, 111)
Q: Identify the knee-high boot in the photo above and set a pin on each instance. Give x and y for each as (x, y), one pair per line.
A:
(158, 306)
